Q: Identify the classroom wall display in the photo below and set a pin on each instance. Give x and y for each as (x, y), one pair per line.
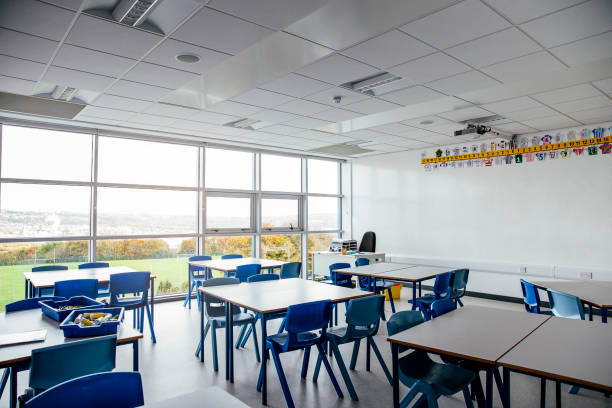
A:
(523, 149)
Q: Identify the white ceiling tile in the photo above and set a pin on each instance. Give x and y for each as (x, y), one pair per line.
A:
(213, 118)
(418, 122)
(337, 69)
(371, 106)
(452, 26)
(411, 96)
(447, 129)
(93, 119)
(234, 108)
(512, 105)
(302, 107)
(396, 129)
(411, 144)
(430, 68)
(192, 125)
(336, 115)
(219, 31)
(20, 68)
(296, 85)
(574, 23)
(138, 126)
(16, 85)
(119, 102)
(534, 113)
(34, 17)
(165, 54)
(381, 147)
(76, 79)
(519, 11)
(465, 82)
(273, 116)
(514, 127)
(26, 46)
(153, 120)
(551, 122)
(106, 113)
(385, 138)
(501, 46)
(314, 135)
(583, 104)
(605, 85)
(282, 129)
(308, 123)
(137, 90)
(229, 131)
(263, 98)
(584, 51)
(159, 76)
(465, 114)
(521, 68)
(435, 138)
(113, 38)
(262, 135)
(172, 111)
(69, 4)
(594, 115)
(327, 96)
(567, 94)
(92, 61)
(167, 15)
(389, 49)
(366, 134)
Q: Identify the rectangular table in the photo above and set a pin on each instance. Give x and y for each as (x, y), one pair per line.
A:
(473, 333)
(575, 352)
(593, 293)
(17, 357)
(265, 298)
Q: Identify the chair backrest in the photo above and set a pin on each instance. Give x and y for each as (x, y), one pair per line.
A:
(243, 272)
(365, 312)
(28, 304)
(129, 283)
(45, 268)
(260, 277)
(231, 256)
(362, 262)
(368, 242)
(90, 265)
(305, 317)
(290, 270)
(115, 389)
(441, 306)
(403, 320)
(76, 287)
(337, 277)
(193, 268)
(212, 305)
(531, 297)
(459, 280)
(53, 365)
(565, 305)
(363, 280)
(442, 287)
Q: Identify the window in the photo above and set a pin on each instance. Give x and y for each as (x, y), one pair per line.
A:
(323, 213)
(323, 176)
(280, 213)
(281, 173)
(282, 247)
(216, 246)
(320, 242)
(228, 212)
(229, 169)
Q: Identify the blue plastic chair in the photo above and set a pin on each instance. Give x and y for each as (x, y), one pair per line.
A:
(421, 374)
(290, 270)
(45, 268)
(363, 319)
(119, 390)
(441, 290)
(442, 306)
(458, 284)
(565, 305)
(306, 327)
(382, 286)
(133, 283)
(50, 366)
(531, 298)
(244, 272)
(76, 287)
(196, 278)
(262, 277)
(214, 309)
(339, 279)
(231, 256)
(103, 289)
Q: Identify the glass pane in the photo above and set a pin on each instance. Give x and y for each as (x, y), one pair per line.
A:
(218, 246)
(140, 162)
(125, 211)
(281, 173)
(318, 242)
(45, 154)
(166, 258)
(279, 213)
(323, 213)
(229, 169)
(282, 247)
(228, 212)
(323, 176)
(19, 257)
(34, 210)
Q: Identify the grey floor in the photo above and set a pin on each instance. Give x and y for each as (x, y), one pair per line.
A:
(169, 368)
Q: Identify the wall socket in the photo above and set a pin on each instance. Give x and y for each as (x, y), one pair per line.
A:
(586, 275)
(523, 269)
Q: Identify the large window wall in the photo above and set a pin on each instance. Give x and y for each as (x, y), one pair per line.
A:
(68, 196)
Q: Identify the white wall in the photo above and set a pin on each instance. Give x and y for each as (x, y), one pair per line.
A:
(554, 216)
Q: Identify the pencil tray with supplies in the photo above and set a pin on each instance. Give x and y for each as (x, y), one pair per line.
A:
(92, 322)
(58, 310)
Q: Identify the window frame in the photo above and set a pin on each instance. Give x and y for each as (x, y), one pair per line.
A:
(300, 217)
(231, 231)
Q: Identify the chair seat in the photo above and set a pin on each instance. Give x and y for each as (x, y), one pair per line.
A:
(238, 318)
(303, 339)
(447, 379)
(339, 333)
(128, 302)
(426, 299)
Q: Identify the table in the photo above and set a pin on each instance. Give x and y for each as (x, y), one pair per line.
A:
(322, 259)
(205, 397)
(473, 333)
(566, 350)
(265, 298)
(17, 357)
(593, 293)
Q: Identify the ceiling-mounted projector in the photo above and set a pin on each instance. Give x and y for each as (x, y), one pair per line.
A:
(473, 130)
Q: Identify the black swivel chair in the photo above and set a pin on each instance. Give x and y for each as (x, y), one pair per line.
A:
(368, 242)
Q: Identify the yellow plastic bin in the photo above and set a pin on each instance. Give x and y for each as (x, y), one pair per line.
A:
(395, 291)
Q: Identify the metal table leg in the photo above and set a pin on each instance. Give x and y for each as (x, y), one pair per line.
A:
(13, 386)
(604, 315)
(395, 363)
(489, 388)
(189, 287)
(506, 387)
(264, 360)
(135, 354)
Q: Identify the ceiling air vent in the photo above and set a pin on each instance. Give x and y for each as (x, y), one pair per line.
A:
(133, 12)
(250, 124)
(342, 149)
(374, 85)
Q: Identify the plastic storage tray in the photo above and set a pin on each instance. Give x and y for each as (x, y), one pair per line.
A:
(51, 307)
(74, 330)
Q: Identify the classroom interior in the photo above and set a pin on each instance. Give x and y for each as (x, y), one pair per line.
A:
(322, 203)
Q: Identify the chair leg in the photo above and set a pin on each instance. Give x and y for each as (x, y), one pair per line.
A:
(344, 372)
(460, 302)
(356, 345)
(478, 391)
(282, 326)
(188, 294)
(244, 338)
(305, 361)
(214, 348)
(367, 356)
(150, 323)
(391, 300)
(198, 295)
(558, 394)
(282, 378)
(260, 379)
(240, 336)
(466, 396)
(199, 349)
(315, 375)
(498, 382)
(336, 314)
(255, 342)
(5, 377)
(573, 389)
(140, 319)
(406, 399)
(329, 371)
(380, 360)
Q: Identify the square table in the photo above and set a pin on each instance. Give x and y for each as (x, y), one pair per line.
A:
(473, 333)
(593, 293)
(265, 298)
(17, 356)
(572, 351)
